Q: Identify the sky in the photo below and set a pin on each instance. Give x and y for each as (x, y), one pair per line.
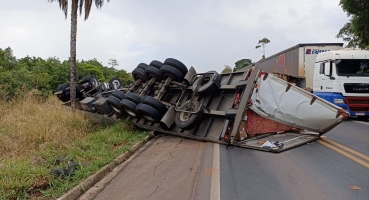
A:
(206, 34)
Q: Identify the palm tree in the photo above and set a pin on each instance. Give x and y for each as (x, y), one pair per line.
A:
(63, 4)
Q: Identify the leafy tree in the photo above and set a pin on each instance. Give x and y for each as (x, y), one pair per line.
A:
(63, 4)
(227, 69)
(85, 69)
(242, 64)
(357, 29)
(261, 44)
(7, 60)
(28, 73)
(125, 77)
(348, 35)
(113, 63)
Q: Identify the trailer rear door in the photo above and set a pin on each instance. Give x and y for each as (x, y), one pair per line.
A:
(280, 101)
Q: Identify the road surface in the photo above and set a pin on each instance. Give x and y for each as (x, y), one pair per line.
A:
(335, 167)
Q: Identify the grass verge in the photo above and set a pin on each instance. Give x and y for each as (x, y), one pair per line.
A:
(36, 135)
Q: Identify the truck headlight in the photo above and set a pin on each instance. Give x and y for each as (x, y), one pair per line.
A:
(339, 101)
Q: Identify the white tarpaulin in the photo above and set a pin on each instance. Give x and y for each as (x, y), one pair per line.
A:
(280, 101)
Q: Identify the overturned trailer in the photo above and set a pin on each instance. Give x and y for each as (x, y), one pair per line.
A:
(251, 109)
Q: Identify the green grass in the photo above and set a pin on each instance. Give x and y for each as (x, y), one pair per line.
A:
(24, 178)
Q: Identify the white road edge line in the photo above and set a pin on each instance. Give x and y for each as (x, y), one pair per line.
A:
(362, 122)
(215, 175)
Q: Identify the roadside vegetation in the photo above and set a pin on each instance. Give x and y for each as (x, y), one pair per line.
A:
(36, 134)
(24, 74)
(39, 138)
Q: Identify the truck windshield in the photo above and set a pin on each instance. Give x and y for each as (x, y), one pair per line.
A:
(357, 67)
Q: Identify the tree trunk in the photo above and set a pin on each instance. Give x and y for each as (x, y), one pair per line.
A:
(72, 59)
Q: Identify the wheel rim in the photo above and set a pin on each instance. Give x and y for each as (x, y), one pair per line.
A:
(149, 118)
(184, 116)
(116, 84)
(204, 81)
(130, 112)
(94, 83)
(115, 108)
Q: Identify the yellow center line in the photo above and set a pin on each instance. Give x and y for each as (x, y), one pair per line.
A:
(346, 148)
(344, 153)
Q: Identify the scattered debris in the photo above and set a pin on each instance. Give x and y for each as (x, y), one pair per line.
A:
(268, 145)
(261, 142)
(354, 187)
(62, 172)
(271, 145)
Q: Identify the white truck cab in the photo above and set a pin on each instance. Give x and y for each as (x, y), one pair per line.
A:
(342, 77)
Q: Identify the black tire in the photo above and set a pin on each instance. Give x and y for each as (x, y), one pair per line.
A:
(113, 102)
(65, 95)
(65, 88)
(151, 71)
(115, 83)
(170, 71)
(206, 85)
(66, 92)
(133, 97)
(151, 101)
(148, 112)
(139, 73)
(189, 121)
(104, 87)
(156, 64)
(79, 94)
(142, 66)
(129, 107)
(177, 64)
(59, 88)
(119, 94)
(94, 83)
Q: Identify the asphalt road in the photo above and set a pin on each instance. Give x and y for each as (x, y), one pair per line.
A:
(335, 167)
(312, 171)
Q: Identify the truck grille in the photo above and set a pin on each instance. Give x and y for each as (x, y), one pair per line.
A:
(356, 87)
(358, 104)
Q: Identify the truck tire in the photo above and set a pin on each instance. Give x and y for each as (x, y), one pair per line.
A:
(148, 112)
(170, 71)
(139, 73)
(156, 64)
(119, 94)
(151, 101)
(115, 83)
(206, 85)
(59, 88)
(65, 87)
(129, 107)
(64, 96)
(113, 102)
(189, 121)
(92, 80)
(133, 97)
(80, 96)
(151, 72)
(142, 66)
(177, 64)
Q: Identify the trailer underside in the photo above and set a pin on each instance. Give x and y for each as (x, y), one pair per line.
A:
(250, 109)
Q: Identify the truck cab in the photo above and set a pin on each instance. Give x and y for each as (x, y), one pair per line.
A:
(342, 77)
